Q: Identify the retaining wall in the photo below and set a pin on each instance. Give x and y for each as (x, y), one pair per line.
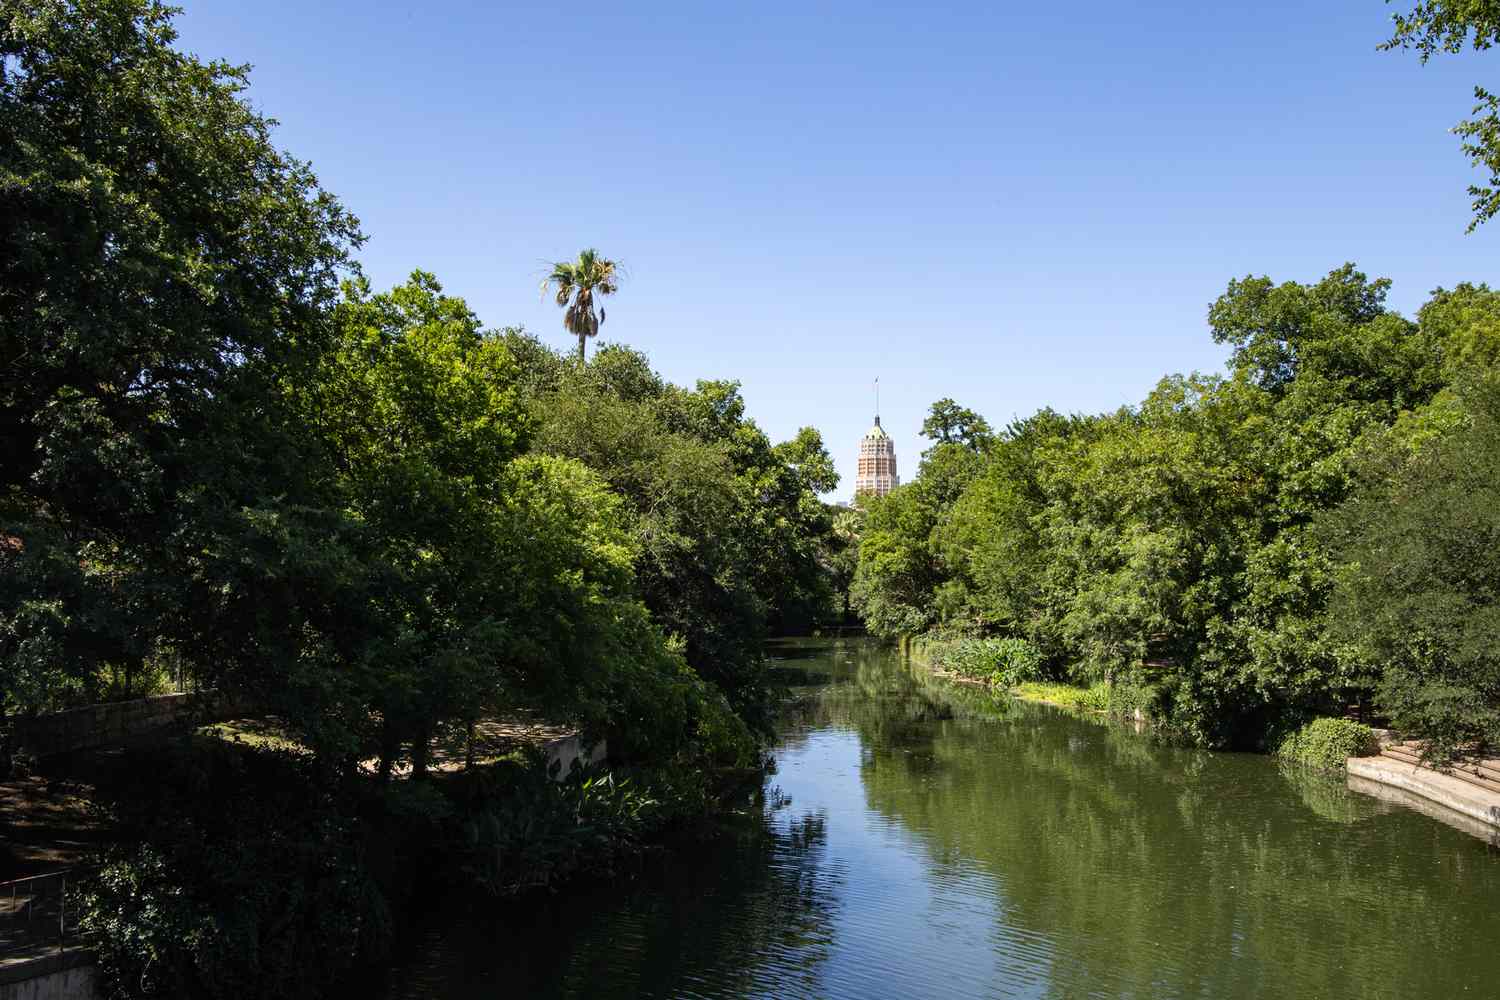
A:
(70, 975)
(567, 751)
(1479, 806)
(106, 724)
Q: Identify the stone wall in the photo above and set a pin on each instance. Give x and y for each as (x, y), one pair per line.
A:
(107, 724)
(567, 752)
(68, 976)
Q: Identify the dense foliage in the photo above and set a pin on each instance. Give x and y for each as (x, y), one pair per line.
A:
(225, 458)
(237, 876)
(1004, 662)
(1419, 593)
(240, 876)
(1184, 546)
(729, 526)
(162, 265)
(1326, 743)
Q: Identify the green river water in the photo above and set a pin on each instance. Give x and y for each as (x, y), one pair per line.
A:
(922, 839)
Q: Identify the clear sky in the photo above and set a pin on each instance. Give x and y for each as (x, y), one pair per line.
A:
(1013, 205)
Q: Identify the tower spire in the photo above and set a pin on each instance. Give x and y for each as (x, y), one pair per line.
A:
(877, 458)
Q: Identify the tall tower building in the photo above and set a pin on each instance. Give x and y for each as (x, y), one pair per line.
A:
(877, 463)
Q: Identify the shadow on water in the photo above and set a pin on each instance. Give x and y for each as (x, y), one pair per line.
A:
(745, 910)
(926, 839)
(781, 676)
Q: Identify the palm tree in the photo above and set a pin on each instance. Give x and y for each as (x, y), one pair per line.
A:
(578, 281)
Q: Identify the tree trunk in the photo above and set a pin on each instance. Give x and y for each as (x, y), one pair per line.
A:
(388, 749)
(420, 746)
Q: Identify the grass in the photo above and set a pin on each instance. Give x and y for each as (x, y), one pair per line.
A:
(1085, 699)
(261, 734)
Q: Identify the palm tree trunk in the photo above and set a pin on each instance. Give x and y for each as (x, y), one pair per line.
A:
(582, 339)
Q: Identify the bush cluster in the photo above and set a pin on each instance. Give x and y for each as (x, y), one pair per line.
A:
(1002, 662)
(1326, 743)
(1094, 698)
(239, 878)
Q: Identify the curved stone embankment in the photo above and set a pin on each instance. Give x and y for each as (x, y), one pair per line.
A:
(1478, 808)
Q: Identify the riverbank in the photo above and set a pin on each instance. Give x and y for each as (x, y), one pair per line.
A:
(1326, 743)
(223, 857)
(1095, 699)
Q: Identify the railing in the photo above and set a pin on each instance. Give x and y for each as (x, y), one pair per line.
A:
(35, 916)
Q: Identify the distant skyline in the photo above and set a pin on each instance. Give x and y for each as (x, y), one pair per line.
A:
(1012, 207)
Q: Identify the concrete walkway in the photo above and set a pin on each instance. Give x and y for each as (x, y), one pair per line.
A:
(1479, 806)
(493, 738)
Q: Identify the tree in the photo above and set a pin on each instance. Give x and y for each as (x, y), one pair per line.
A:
(729, 526)
(841, 553)
(416, 420)
(1418, 593)
(576, 283)
(162, 266)
(1435, 26)
(896, 582)
(1172, 545)
(949, 423)
(993, 538)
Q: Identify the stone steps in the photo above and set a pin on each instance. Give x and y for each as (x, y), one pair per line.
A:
(1484, 774)
(1481, 767)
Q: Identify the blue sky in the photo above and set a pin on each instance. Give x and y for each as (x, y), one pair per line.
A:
(1014, 206)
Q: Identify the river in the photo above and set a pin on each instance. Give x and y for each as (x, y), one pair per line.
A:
(923, 839)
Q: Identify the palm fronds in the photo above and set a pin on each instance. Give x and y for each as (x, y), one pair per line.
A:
(576, 282)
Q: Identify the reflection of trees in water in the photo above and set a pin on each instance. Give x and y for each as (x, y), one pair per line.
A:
(1158, 871)
(1327, 794)
(715, 918)
(887, 701)
(702, 919)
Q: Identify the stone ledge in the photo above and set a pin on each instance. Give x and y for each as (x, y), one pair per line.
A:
(1451, 793)
(21, 968)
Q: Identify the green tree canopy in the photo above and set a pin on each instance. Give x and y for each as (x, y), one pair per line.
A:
(1418, 593)
(162, 265)
(949, 423)
(1172, 545)
(729, 526)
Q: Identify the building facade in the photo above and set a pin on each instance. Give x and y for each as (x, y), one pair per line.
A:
(877, 463)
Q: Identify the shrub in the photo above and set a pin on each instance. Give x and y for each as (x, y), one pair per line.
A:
(1326, 742)
(1128, 699)
(518, 830)
(1003, 662)
(244, 879)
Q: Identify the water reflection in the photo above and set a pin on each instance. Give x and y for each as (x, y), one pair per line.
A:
(745, 912)
(929, 840)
